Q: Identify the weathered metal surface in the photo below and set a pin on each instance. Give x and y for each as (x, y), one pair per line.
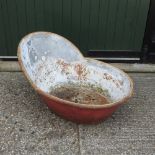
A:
(55, 67)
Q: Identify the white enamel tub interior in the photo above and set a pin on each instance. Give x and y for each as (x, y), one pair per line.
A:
(50, 61)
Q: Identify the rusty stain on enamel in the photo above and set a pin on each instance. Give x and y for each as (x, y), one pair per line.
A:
(81, 71)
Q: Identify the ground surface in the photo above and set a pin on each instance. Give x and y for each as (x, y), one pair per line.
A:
(28, 127)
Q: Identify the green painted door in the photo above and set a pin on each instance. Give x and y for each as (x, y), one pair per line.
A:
(90, 24)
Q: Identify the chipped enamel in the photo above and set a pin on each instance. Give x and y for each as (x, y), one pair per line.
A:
(51, 60)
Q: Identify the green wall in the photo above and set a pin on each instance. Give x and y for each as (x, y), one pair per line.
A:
(90, 24)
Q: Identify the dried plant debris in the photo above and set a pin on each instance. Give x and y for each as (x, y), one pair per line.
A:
(82, 93)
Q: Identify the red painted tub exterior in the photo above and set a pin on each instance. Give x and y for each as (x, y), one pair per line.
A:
(79, 114)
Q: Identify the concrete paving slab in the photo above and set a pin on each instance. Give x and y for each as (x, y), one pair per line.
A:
(9, 66)
(131, 130)
(27, 126)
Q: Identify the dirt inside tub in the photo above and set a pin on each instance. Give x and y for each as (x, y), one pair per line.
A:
(82, 94)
